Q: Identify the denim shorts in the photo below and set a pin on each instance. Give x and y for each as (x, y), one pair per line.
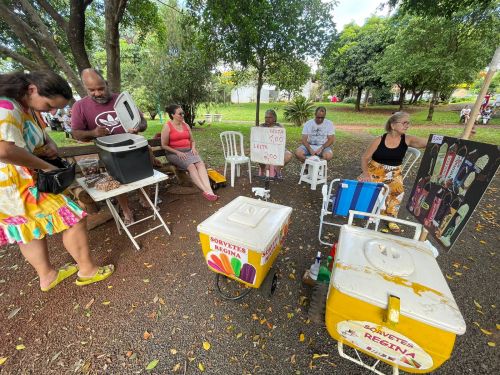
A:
(306, 151)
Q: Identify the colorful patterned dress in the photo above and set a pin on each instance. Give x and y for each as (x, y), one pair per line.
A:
(25, 213)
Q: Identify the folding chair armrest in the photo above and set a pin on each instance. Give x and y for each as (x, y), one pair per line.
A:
(418, 226)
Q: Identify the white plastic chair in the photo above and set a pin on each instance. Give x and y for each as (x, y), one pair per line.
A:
(232, 145)
(411, 157)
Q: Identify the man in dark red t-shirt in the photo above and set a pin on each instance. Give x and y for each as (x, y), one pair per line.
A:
(94, 116)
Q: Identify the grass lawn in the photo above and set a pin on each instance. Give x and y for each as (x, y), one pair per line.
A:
(483, 134)
(340, 113)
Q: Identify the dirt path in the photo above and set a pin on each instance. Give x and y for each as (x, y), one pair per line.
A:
(161, 303)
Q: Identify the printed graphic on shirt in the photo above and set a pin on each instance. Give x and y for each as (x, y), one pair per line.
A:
(109, 120)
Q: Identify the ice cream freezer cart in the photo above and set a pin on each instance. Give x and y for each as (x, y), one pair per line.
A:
(388, 299)
(241, 241)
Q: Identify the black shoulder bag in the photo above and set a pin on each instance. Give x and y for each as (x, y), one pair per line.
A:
(57, 180)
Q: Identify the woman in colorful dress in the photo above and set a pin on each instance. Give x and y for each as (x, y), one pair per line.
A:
(177, 140)
(382, 161)
(27, 216)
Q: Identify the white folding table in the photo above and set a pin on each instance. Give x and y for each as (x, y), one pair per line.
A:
(99, 195)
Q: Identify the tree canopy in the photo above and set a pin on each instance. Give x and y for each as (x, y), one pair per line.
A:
(257, 32)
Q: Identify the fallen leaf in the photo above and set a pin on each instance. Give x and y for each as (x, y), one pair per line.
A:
(173, 351)
(449, 277)
(302, 337)
(2, 360)
(146, 335)
(477, 305)
(152, 364)
(498, 326)
(206, 345)
(13, 313)
(177, 367)
(486, 332)
(316, 356)
(87, 306)
(129, 353)
(145, 280)
(239, 335)
(458, 273)
(292, 359)
(291, 276)
(20, 347)
(490, 343)
(106, 303)
(201, 367)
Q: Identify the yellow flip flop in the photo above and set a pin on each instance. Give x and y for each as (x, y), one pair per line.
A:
(63, 273)
(101, 274)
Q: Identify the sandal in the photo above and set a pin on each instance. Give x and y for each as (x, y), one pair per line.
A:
(210, 197)
(63, 273)
(101, 274)
(393, 227)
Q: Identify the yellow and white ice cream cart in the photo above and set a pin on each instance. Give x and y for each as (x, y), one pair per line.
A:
(242, 239)
(388, 298)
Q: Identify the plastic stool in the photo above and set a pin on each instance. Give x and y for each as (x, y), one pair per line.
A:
(316, 172)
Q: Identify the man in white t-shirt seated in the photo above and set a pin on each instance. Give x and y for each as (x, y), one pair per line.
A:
(318, 135)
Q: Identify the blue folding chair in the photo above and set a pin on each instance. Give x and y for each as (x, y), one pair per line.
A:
(350, 195)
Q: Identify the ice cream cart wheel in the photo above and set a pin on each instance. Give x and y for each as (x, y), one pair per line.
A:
(270, 283)
(230, 289)
(317, 306)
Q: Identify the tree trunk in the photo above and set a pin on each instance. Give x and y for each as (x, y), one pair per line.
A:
(75, 32)
(492, 68)
(43, 37)
(402, 93)
(431, 106)
(367, 95)
(358, 99)
(113, 14)
(260, 83)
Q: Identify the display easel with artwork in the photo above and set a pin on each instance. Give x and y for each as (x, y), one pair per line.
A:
(453, 176)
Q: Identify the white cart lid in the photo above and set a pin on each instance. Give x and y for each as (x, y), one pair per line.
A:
(371, 266)
(247, 222)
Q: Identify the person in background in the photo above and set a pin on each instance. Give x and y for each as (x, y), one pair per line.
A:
(270, 119)
(381, 162)
(28, 216)
(465, 114)
(318, 135)
(180, 149)
(94, 116)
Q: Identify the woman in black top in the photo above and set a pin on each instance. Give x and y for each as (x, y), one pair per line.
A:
(382, 161)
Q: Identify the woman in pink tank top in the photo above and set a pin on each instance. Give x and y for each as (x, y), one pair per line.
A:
(179, 145)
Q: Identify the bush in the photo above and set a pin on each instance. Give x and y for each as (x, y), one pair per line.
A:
(381, 96)
(299, 110)
(349, 100)
(462, 100)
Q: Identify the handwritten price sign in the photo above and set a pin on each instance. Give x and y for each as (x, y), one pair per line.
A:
(267, 145)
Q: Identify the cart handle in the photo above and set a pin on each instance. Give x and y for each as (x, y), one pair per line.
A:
(418, 226)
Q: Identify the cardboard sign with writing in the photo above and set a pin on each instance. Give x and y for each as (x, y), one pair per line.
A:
(453, 176)
(267, 145)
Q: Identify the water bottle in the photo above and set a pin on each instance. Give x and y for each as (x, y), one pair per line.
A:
(314, 270)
